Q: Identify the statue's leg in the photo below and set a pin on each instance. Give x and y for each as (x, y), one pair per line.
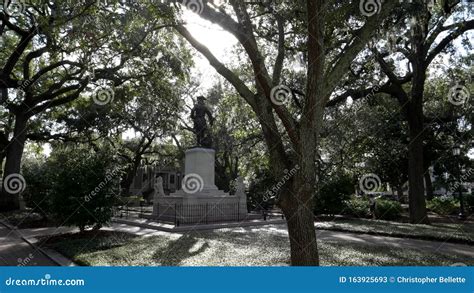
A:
(199, 137)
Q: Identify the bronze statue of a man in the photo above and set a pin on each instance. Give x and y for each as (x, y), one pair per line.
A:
(201, 129)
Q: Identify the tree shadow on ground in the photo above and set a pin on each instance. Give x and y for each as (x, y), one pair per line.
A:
(245, 236)
(178, 250)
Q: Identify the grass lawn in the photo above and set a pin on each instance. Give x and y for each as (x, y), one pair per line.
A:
(449, 232)
(228, 247)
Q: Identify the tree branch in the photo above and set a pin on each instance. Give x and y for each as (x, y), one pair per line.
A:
(238, 84)
(362, 37)
(462, 28)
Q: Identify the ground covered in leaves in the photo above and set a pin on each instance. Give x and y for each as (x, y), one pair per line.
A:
(230, 247)
(26, 219)
(448, 231)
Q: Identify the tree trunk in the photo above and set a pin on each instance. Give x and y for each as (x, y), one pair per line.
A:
(301, 231)
(429, 186)
(9, 199)
(416, 194)
(298, 203)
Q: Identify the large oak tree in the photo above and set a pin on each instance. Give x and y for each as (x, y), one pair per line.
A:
(53, 52)
(291, 137)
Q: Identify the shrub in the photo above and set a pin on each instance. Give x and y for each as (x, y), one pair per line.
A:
(38, 187)
(443, 205)
(387, 209)
(470, 202)
(358, 207)
(82, 187)
(260, 195)
(332, 195)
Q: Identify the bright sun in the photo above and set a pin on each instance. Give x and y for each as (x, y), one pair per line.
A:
(218, 41)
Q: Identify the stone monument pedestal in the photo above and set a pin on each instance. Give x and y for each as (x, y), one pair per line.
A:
(199, 200)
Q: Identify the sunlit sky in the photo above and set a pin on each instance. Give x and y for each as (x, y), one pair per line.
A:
(218, 41)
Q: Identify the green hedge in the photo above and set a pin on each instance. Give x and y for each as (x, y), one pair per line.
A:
(37, 194)
(332, 195)
(387, 209)
(82, 183)
(73, 187)
(358, 207)
(443, 206)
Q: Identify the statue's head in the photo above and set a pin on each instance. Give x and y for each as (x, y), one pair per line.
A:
(201, 100)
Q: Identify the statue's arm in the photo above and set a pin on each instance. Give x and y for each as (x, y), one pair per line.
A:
(209, 115)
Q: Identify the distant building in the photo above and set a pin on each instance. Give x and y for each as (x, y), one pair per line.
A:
(145, 179)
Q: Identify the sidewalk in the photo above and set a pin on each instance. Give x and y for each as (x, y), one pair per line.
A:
(14, 251)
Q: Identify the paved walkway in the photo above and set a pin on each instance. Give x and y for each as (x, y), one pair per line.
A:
(14, 251)
(398, 243)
